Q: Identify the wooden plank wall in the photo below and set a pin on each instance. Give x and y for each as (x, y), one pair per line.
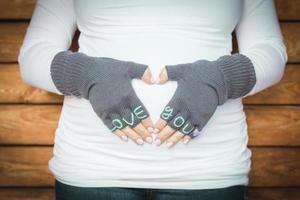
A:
(28, 117)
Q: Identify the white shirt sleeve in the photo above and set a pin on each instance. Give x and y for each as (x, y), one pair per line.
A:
(259, 37)
(50, 31)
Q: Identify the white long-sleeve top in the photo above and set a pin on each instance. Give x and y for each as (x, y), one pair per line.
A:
(155, 33)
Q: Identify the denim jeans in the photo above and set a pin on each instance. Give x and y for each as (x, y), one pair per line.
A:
(68, 192)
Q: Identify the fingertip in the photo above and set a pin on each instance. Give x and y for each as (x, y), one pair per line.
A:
(159, 125)
(122, 135)
(139, 128)
(147, 122)
(186, 139)
(165, 133)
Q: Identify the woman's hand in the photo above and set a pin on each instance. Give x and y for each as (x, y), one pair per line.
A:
(192, 105)
(202, 86)
(170, 135)
(106, 83)
(126, 128)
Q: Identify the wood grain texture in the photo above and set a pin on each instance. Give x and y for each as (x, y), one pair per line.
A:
(291, 39)
(14, 90)
(27, 194)
(25, 166)
(11, 38)
(287, 91)
(273, 125)
(28, 124)
(16, 9)
(288, 9)
(12, 34)
(274, 193)
(23, 9)
(275, 167)
(28, 166)
(36, 124)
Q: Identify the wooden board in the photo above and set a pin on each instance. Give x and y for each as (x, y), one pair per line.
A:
(28, 124)
(16, 9)
(11, 38)
(23, 9)
(25, 166)
(267, 125)
(28, 166)
(287, 91)
(288, 9)
(275, 167)
(14, 90)
(27, 194)
(12, 34)
(273, 125)
(291, 39)
(274, 193)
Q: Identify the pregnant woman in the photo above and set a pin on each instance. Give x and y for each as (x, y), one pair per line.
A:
(152, 69)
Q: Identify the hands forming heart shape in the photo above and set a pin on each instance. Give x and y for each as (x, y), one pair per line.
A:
(192, 105)
(106, 83)
(202, 86)
(167, 128)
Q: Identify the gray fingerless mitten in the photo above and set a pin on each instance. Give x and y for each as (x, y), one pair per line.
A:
(202, 86)
(233, 76)
(106, 82)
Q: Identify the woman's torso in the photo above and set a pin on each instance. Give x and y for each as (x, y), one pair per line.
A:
(155, 33)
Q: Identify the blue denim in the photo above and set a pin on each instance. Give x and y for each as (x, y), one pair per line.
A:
(68, 192)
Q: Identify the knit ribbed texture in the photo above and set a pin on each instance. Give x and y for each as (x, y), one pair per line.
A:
(67, 71)
(239, 74)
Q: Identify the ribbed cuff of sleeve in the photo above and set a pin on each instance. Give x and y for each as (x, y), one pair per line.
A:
(239, 74)
(67, 71)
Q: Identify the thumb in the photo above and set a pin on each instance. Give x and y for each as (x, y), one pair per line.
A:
(147, 76)
(163, 76)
